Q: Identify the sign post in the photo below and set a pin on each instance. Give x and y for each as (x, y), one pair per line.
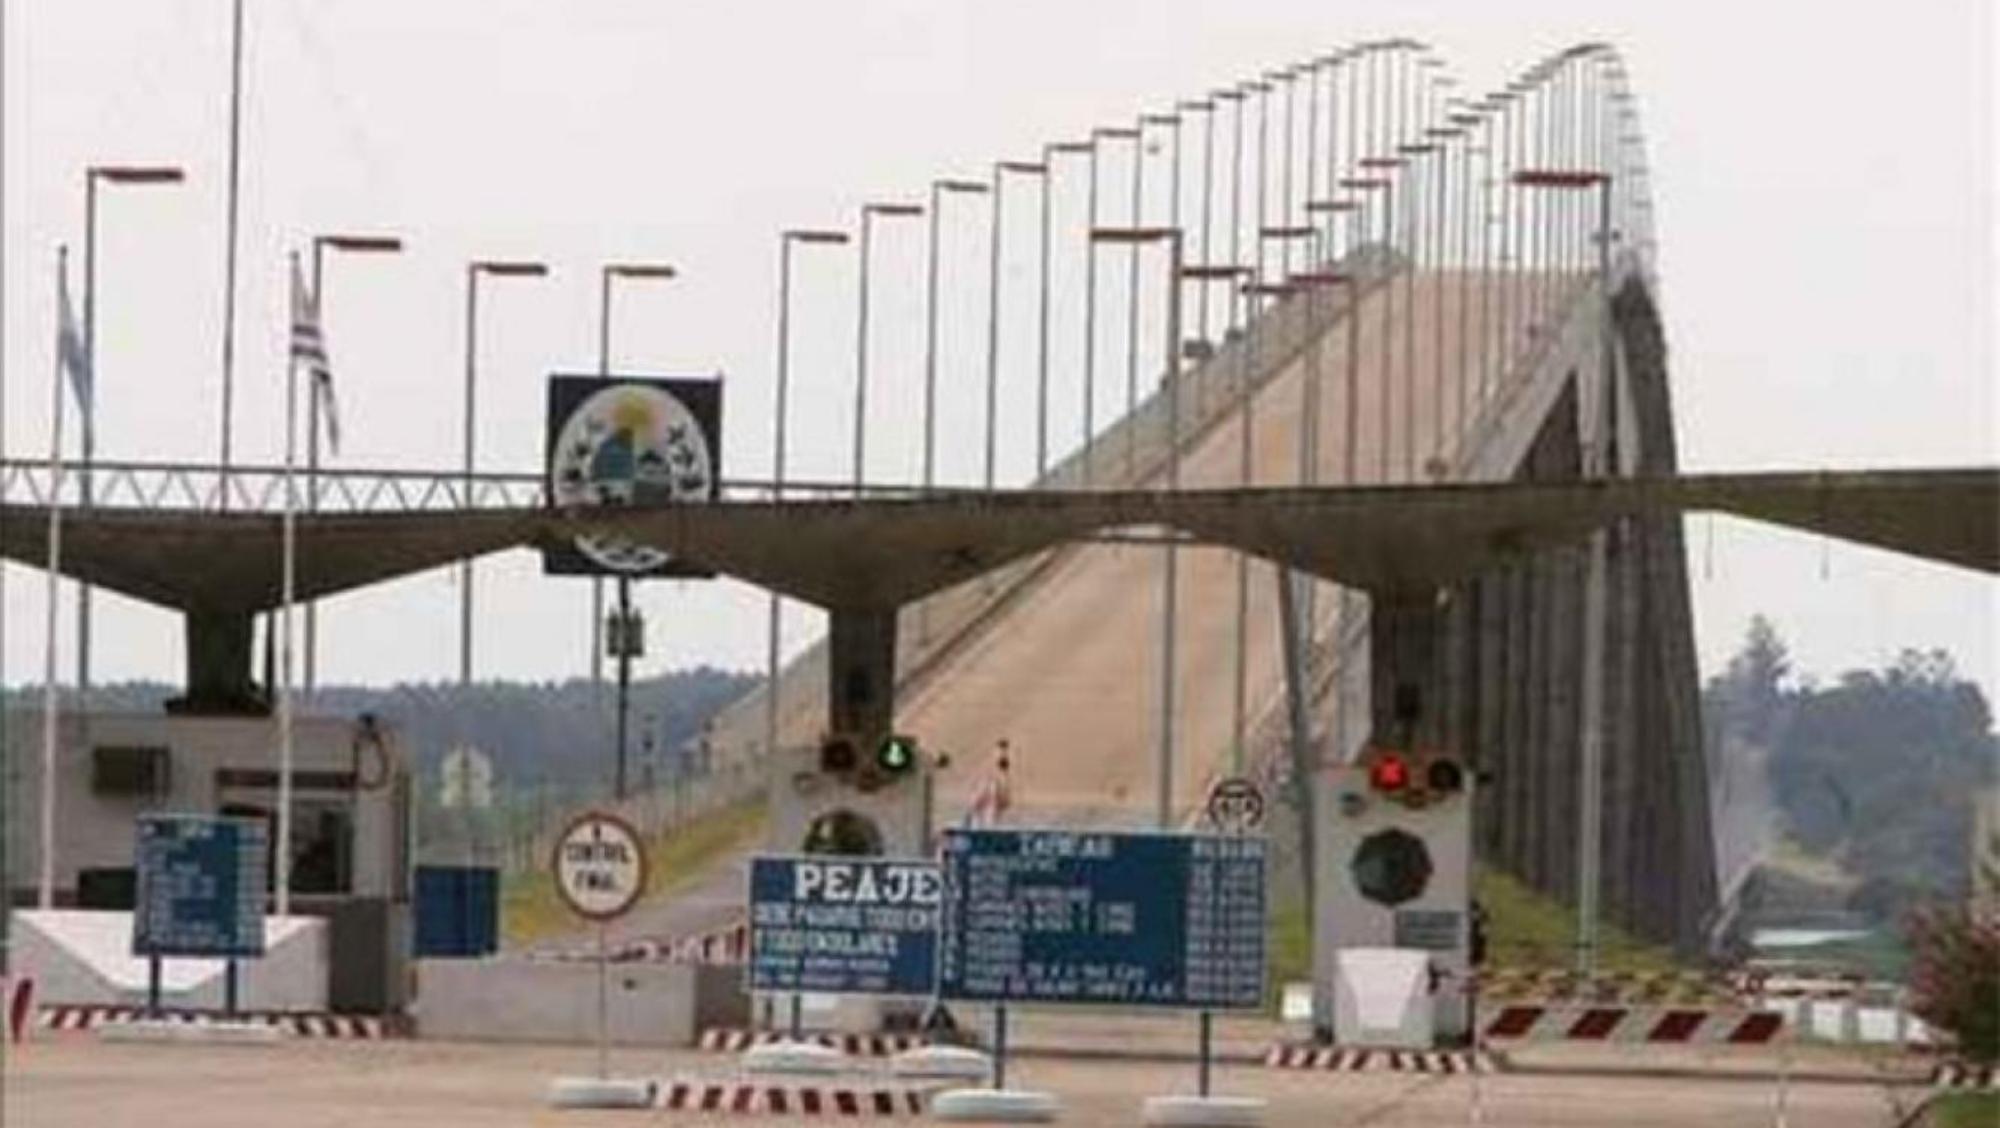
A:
(842, 926)
(600, 873)
(200, 886)
(1235, 807)
(1124, 919)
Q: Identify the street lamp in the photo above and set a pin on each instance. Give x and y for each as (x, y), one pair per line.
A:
(868, 214)
(474, 271)
(938, 190)
(350, 244)
(773, 632)
(109, 174)
(1100, 134)
(1132, 290)
(1000, 169)
(626, 640)
(1135, 237)
(1603, 417)
(1049, 153)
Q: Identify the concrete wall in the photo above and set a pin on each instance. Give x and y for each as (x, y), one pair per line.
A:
(518, 1000)
(76, 956)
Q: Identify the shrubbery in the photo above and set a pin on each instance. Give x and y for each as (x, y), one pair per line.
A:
(1955, 977)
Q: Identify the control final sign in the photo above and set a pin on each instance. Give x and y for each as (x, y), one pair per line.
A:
(600, 866)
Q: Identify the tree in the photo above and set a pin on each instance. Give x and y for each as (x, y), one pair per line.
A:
(1955, 978)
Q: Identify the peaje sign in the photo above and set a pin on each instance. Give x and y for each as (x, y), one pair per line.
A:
(844, 925)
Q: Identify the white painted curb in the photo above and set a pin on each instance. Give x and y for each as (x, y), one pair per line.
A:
(950, 1063)
(214, 1033)
(603, 1092)
(995, 1106)
(1204, 1112)
(793, 1057)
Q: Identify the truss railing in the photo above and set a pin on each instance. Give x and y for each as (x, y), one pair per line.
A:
(164, 487)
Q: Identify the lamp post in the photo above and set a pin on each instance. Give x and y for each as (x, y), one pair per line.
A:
(868, 214)
(109, 174)
(625, 640)
(938, 190)
(474, 271)
(1603, 422)
(774, 632)
(1206, 108)
(1132, 291)
(1097, 137)
(1136, 236)
(349, 244)
(1000, 170)
(1050, 152)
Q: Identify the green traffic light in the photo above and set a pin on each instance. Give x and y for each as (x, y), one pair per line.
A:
(898, 754)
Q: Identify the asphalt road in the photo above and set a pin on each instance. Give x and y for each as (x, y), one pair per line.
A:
(71, 1083)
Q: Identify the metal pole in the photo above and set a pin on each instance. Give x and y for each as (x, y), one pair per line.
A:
(861, 353)
(1042, 317)
(465, 576)
(283, 852)
(993, 324)
(625, 648)
(773, 627)
(1246, 368)
(87, 420)
(1132, 310)
(46, 861)
(311, 677)
(603, 1004)
(1171, 577)
(931, 340)
(1088, 445)
(597, 582)
(232, 211)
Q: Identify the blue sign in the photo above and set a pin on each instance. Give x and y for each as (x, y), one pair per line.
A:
(863, 926)
(1167, 920)
(201, 883)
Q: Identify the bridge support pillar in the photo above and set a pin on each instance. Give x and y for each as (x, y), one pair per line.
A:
(1405, 694)
(218, 666)
(861, 653)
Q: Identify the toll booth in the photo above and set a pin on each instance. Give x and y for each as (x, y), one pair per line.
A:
(1394, 870)
(350, 844)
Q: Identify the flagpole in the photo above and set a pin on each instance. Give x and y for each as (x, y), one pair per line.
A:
(46, 854)
(283, 853)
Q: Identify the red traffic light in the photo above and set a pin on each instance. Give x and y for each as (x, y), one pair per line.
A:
(1389, 773)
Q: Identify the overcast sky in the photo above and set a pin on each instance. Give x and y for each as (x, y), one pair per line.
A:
(1823, 175)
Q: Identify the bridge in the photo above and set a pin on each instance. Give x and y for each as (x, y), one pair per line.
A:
(1413, 479)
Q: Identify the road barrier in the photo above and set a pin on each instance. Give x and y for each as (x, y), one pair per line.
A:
(747, 1098)
(83, 1017)
(1337, 1059)
(1527, 1022)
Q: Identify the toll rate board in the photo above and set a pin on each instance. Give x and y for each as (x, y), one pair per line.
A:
(201, 882)
(1166, 920)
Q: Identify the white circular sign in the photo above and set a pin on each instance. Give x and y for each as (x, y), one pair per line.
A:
(630, 443)
(600, 866)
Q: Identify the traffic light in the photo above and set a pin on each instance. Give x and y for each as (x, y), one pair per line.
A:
(896, 755)
(838, 754)
(1414, 778)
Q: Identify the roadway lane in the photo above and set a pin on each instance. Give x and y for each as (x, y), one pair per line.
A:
(1069, 676)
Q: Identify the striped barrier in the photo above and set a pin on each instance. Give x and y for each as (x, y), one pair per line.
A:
(748, 1098)
(729, 1040)
(1336, 1059)
(77, 1018)
(1962, 1075)
(1645, 1025)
